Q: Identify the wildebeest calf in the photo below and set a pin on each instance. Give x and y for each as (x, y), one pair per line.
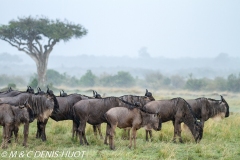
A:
(10, 118)
(123, 117)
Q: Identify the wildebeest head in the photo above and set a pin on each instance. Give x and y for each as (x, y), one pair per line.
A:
(156, 121)
(52, 96)
(30, 90)
(39, 91)
(96, 95)
(226, 106)
(198, 131)
(149, 94)
(63, 94)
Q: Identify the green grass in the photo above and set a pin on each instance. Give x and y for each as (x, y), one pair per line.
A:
(220, 139)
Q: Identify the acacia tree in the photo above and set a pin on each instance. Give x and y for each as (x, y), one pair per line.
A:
(37, 37)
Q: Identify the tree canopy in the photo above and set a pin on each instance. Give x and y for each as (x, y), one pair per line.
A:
(37, 37)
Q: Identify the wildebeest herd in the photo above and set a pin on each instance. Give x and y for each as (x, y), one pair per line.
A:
(127, 112)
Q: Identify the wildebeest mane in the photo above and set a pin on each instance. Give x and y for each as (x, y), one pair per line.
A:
(38, 104)
(128, 103)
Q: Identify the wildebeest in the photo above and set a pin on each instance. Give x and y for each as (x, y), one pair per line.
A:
(45, 105)
(147, 130)
(205, 108)
(10, 118)
(93, 110)
(123, 117)
(95, 127)
(65, 112)
(176, 110)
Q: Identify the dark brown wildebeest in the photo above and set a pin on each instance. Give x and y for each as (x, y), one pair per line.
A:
(205, 108)
(123, 117)
(95, 127)
(93, 110)
(176, 110)
(65, 112)
(46, 105)
(10, 118)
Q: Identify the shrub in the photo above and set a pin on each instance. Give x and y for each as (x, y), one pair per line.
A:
(88, 79)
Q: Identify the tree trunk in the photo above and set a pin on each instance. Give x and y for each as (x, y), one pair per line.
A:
(41, 70)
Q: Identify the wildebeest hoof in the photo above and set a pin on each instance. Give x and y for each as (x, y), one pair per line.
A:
(112, 148)
(25, 146)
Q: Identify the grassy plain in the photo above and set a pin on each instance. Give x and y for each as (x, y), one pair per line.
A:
(220, 139)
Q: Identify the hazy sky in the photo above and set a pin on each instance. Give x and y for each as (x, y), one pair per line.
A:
(169, 28)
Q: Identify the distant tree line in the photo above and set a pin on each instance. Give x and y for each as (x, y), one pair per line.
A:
(153, 80)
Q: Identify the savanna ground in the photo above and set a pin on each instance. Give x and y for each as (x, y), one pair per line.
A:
(220, 139)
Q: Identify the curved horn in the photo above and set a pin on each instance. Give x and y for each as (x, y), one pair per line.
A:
(222, 99)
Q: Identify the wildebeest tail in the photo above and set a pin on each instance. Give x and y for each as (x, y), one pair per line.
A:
(105, 117)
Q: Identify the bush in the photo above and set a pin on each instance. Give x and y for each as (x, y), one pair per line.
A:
(88, 79)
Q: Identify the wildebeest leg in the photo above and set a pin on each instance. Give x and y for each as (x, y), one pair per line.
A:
(99, 130)
(74, 130)
(111, 136)
(38, 135)
(6, 135)
(42, 128)
(179, 132)
(94, 130)
(175, 131)
(81, 131)
(146, 133)
(133, 136)
(150, 134)
(16, 129)
(107, 133)
(25, 133)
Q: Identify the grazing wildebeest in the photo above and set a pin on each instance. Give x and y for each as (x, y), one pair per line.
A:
(205, 108)
(10, 118)
(93, 110)
(176, 110)
(48, 99)
(123, 117)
